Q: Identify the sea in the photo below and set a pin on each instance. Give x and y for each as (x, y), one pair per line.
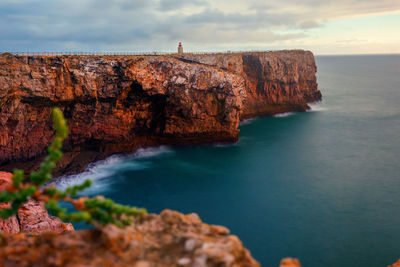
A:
(322, 186)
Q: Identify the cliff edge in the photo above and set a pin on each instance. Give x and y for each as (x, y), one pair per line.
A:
(116, 104)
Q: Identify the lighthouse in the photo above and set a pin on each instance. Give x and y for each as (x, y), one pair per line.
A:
(180, 48)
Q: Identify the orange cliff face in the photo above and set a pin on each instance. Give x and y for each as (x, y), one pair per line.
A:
(116, 104)
(275, 82)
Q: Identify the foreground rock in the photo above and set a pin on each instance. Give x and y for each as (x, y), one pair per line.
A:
(290, 262)
(32, 217)
(168, 239)
(117, 104)
(396, 264)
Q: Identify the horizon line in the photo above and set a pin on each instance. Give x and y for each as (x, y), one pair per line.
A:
(122, 53)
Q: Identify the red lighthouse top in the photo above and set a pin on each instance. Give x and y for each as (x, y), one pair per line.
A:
(180, 43)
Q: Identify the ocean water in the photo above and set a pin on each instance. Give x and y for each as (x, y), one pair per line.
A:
(322, 186)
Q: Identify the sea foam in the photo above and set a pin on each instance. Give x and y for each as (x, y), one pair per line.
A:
(317, 107)
(100, 171)
(247, 121)
(285, 114)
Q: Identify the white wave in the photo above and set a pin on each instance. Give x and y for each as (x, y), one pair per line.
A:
(245, 122)
(100, 171)
(317, 107)
(282, 115)
(224, 144)
(151, 151)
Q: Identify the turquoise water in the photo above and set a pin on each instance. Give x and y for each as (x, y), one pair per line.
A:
(322, 186)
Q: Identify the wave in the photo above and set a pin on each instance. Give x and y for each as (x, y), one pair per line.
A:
(317, 107)
(224, 144)
(285, 114)
(150, 152)
(246, 121)
(100, 171)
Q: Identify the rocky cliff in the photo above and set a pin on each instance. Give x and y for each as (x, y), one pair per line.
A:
(168, 239)
(32, 217)
(116, 104)
(275, 82)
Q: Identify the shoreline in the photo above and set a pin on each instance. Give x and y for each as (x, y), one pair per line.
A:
(77, 162)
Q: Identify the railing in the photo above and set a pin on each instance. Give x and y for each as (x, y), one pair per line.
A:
(124, 53)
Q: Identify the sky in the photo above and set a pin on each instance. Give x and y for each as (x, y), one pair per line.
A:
(322, 26)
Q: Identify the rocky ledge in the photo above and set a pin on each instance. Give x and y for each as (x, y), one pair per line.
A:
(168, 239)
(117, 104)
(33, 238)
(32, 217)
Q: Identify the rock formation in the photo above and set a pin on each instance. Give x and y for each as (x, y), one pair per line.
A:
(290, 262)
(116, 104)
(275, 82)
(32, 217)
(168, 239)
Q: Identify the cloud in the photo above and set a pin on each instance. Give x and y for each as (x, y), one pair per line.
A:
(255, 19)
(168, 5)
(159, 24)
(336, 8)
(309, 24)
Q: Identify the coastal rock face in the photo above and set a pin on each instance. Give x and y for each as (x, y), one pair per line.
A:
(275, 82)
(32, 217)
(117, 104)
(168, 239)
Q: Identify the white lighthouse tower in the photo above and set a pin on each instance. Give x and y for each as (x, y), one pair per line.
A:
(180, 48)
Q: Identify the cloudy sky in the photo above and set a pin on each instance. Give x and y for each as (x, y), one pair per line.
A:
(323, 26)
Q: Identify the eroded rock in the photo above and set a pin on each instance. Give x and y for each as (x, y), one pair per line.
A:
(32, 217)
(154, 240)
(290, 262)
